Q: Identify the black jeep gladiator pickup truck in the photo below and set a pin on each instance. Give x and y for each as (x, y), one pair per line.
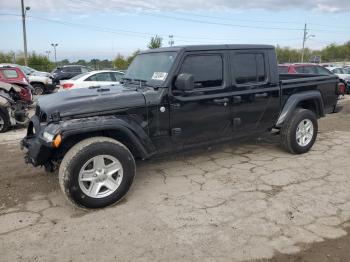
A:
(171, 99)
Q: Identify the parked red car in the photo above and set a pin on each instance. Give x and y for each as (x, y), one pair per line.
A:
(14, 75)
(303, 69)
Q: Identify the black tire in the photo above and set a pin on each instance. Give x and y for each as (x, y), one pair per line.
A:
(4, 121)
(39, 89)
(289, 130)
(80, 154)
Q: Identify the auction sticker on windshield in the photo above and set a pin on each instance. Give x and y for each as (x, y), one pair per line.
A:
(159, 76)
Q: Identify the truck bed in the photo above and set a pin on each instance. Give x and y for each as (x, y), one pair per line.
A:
(296, 83)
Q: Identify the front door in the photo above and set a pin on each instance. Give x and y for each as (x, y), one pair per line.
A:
(203, 115)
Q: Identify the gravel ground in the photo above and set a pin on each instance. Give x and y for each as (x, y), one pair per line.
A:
(251, 201)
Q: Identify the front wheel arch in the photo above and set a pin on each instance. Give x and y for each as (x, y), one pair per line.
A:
(126, 138)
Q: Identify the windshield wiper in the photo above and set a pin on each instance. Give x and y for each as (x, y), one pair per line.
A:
(140, 82)
(143, 82)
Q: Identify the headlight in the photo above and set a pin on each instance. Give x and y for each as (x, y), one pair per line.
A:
(49, 137)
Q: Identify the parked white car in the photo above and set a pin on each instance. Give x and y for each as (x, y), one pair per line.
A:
(41, 81)
(93, 78)
(341, 72)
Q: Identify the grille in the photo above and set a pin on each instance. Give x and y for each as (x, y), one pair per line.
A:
(41, 115)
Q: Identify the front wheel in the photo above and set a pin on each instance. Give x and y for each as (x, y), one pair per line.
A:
(299, 134)
(39, 89)
(97, 172)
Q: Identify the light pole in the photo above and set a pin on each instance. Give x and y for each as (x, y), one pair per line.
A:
(306, 37)
(48, 54)
(24, 12)
(54, 48)
(171, 40)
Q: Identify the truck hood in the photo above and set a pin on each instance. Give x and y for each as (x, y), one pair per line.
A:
(91, 101)
(40, 73)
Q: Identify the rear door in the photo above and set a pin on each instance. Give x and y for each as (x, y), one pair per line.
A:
(204, 114)
(255, 105)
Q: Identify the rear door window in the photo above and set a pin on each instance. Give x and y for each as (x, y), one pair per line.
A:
(299, 69)
(283, 69)
(249, 68)
(100, 77)
(10, 73)
(207, 70)
(310, 70)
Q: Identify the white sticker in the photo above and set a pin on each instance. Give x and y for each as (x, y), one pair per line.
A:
(160, 76)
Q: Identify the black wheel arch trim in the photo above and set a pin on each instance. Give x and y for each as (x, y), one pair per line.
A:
(293, 102)
(125, 125)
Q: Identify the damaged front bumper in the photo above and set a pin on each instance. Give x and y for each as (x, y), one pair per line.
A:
(37, 150)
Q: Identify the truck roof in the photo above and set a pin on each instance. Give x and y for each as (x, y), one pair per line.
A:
(207, 48)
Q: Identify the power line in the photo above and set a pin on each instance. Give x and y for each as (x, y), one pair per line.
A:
(239, 19)
(89, 3)
(222, 24)
(146, 35)
(136, 33)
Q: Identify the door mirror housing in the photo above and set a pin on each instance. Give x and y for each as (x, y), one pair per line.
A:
(185, 82)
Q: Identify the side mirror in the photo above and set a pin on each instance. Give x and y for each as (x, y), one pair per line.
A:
(184, 82)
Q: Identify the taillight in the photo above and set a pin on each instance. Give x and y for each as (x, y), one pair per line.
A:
(67, 85)
(341, 89)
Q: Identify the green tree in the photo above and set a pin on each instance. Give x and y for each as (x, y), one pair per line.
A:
(120, 62)
(132, 56)
(39, 62)
(7, 57)
(156, 42)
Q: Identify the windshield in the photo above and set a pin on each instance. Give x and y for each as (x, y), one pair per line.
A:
(151, 67)
(25, 70)
(30, 69)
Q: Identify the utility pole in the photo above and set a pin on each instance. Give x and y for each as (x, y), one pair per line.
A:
(306, 37)
(24, 11)
(54, 48)
(171, 40)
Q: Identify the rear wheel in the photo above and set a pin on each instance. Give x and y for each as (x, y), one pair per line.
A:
(4, 121)
(299, 134)
(97, 172)
(38, 89)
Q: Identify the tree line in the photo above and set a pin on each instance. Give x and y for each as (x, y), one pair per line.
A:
(331, 53)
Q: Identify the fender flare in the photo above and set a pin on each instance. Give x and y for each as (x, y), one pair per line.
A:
(293, 102)
(123, 124)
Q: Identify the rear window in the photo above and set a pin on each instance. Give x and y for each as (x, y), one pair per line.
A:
(283, 69)
(71, 69)
(249, 68)
(10, 73)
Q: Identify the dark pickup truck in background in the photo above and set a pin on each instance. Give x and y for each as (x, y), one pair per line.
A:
(172, 99)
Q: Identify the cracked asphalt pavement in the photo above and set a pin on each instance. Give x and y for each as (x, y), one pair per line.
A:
(228, 203)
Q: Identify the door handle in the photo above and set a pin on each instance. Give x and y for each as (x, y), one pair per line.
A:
(221, 101)
(175, 105)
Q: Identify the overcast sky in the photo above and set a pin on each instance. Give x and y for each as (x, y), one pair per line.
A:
(101, 29)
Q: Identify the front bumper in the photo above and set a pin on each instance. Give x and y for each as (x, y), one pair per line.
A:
(36, 150)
